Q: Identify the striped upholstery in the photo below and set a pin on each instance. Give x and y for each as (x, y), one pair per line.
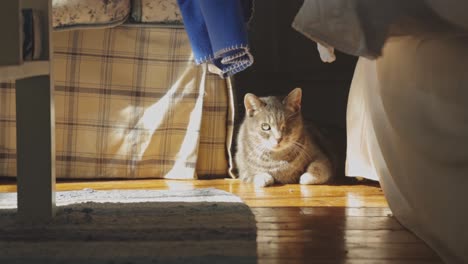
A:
(130, 103)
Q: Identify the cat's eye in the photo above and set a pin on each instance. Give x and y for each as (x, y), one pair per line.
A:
(265, 127)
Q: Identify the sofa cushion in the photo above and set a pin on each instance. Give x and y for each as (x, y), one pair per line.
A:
(69, 14)
(158, 12)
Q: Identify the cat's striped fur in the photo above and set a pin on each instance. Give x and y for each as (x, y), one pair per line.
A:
(274, 146)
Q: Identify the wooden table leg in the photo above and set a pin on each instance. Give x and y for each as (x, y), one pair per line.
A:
(35, 132)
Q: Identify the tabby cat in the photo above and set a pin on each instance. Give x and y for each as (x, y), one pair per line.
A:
(273, 145)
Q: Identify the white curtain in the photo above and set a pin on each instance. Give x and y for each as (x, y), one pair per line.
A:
(408, 128)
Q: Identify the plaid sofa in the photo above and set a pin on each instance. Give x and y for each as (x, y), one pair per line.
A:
(130, 103)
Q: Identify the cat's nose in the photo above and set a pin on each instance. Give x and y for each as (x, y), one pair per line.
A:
(279, 139)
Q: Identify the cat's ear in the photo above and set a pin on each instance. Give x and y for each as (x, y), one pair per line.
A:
(252, 104)
(293, 100)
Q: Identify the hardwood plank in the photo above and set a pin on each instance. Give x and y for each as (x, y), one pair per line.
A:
(305, 224)
(344, 251)
(318, 201)
(349, 236)
(344, 223)
(327, 211)
(292, 195)
(345, 261)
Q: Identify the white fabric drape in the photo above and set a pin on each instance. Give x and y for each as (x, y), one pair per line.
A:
(408, 128)
(407, 117)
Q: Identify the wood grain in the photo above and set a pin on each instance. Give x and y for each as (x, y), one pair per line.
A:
(292, 195)
(349, 223)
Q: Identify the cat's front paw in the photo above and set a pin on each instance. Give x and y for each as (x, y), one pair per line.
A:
(318, 172)
(263, 180)
(309, 178)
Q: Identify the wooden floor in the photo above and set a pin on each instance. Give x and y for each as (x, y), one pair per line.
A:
(347, 223)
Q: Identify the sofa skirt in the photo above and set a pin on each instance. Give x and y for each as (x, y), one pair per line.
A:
(130, 103)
